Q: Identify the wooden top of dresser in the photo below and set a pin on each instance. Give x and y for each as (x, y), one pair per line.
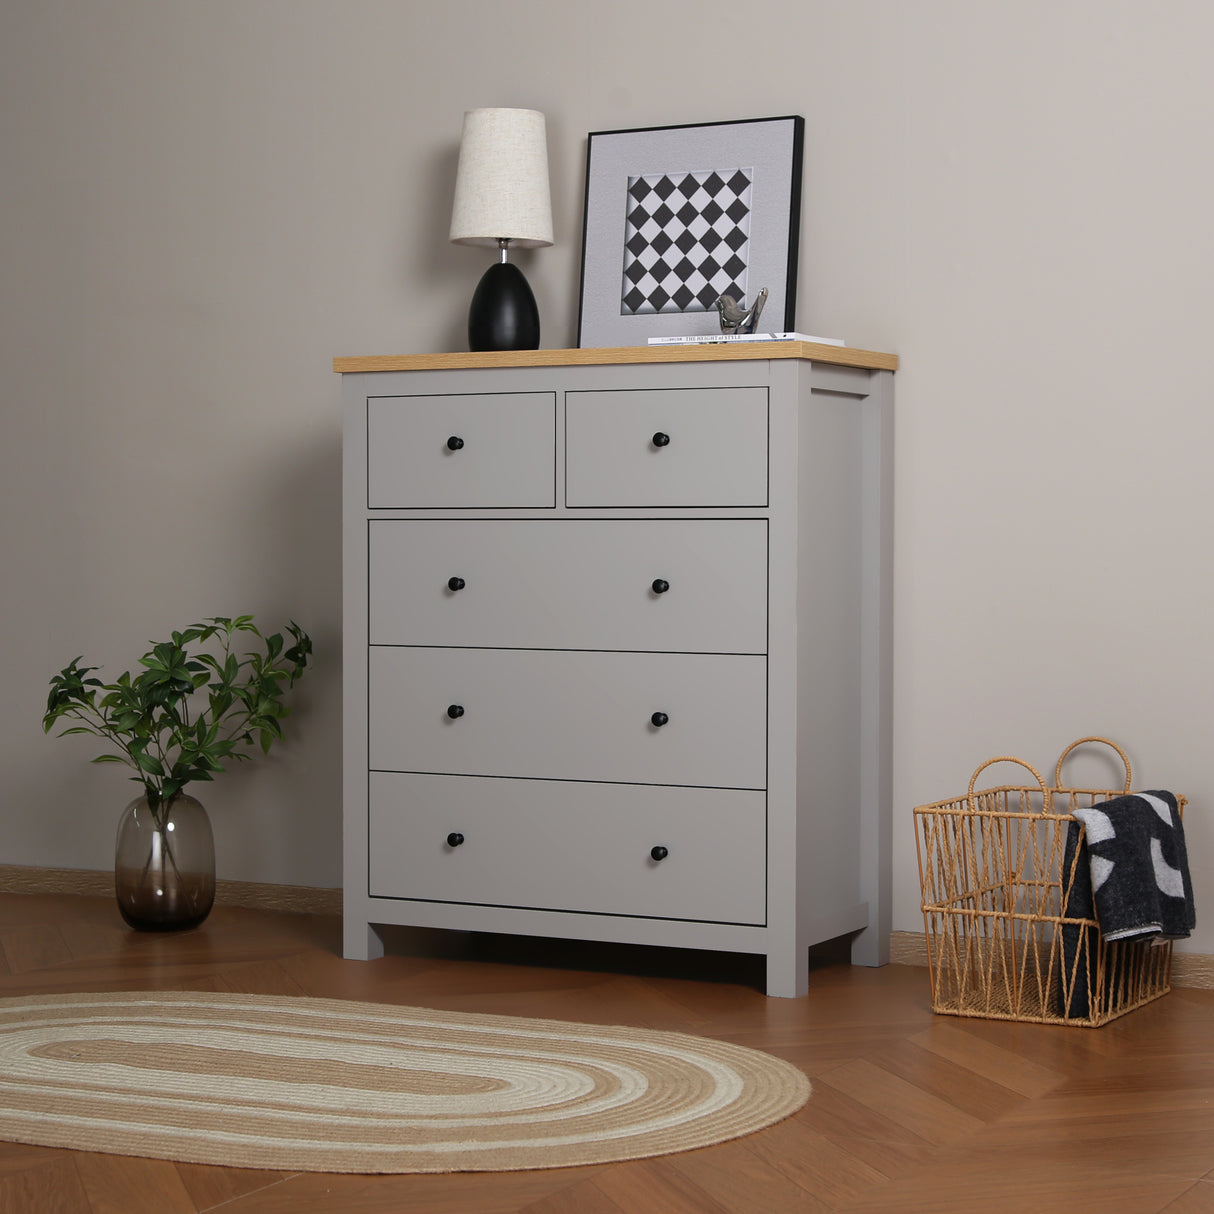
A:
(845, 356)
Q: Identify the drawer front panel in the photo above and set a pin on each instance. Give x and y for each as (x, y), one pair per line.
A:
(568, 715)
(571, 584)
(716, 454)
(505, 450)
(572, 847)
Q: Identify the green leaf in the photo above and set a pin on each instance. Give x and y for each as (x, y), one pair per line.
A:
(149, 763)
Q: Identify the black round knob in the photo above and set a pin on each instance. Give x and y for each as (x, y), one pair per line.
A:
(661, 440)
(454, 443)
(659, 719)
(454, 839)
(455, 711)
(456, 583)
(660, 585)
(659, 852)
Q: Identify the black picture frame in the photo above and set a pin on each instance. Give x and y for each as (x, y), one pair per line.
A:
(651, 269)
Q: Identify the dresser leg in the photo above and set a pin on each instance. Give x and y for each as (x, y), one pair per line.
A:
(788, 973)
(870, 947)
(361, 941)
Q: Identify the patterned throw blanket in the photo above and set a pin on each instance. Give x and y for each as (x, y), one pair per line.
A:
(1133, 870)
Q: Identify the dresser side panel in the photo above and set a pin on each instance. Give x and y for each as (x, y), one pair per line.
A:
(830, 487)
(360, 939)
(871, 947)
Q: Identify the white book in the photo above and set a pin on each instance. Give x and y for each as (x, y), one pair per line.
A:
(716, 338)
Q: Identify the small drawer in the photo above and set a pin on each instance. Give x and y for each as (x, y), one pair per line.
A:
(565, 715)
(692, 585)
(481, 450)
(585, 848)
(667, 447)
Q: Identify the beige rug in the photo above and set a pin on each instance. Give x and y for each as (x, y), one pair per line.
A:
(331, 1086)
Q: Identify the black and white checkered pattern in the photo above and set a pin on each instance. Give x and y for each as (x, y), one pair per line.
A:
(686, 240)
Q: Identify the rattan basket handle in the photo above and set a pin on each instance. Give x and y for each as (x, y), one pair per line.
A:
(1045, 792)
(1081, 742)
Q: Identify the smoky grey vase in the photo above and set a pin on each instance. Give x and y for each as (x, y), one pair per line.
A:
(164, 865)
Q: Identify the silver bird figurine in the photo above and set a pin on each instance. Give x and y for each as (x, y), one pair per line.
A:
(736, 319)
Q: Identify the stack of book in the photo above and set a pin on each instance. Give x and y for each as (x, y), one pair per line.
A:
(713, 338)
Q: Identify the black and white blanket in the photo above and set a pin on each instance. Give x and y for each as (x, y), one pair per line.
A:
(1132, 872)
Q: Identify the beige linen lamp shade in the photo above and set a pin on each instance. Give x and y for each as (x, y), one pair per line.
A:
(501, 185)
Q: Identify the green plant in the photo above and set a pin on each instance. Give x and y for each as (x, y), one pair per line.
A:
(193, 706)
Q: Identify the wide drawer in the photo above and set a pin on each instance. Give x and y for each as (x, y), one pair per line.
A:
(479, 450)
(569, 847)
(714, 453)
(562, 584)
(570, 715)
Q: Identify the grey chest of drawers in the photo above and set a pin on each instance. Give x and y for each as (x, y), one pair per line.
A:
(617, 648)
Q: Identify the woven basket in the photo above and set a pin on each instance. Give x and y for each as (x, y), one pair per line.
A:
(1003, 941)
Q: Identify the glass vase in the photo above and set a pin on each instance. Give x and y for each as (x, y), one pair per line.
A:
(164, 865)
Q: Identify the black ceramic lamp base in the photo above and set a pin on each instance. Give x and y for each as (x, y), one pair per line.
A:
(503, 315)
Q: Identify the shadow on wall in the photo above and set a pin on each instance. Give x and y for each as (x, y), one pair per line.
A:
(278, 817)
(440, 260)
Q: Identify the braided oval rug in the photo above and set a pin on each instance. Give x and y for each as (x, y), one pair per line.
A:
(324, 1085)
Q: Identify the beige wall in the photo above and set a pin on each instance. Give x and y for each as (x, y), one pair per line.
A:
(205, 200)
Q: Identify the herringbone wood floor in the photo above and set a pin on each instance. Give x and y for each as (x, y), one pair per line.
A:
(911, 1113)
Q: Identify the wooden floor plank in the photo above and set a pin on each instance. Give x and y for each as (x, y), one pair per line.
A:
(830, 1172)
(1197, 1200)
(50, 1188)
(741, 1180)
(654, 1186)
(210, 1186)
(882, 1144)
(1010, 1070)
(20, 1157)
(458, 1193)
(117, 1184)
(250, 978)
(965, 1090)
(1021, 1190)
(584, 1197)
(33, 947)
(910, 1106)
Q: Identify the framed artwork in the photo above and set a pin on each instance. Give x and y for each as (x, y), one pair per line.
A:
(677, 216)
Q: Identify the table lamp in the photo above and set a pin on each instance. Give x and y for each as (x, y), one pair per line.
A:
(502, 198)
